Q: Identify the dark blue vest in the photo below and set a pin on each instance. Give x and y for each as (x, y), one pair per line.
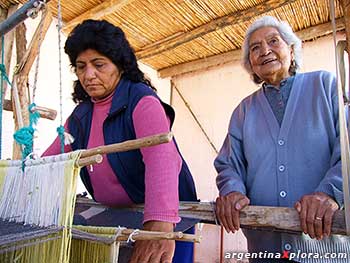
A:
(118, 127)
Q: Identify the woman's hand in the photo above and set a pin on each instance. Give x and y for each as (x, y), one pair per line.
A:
(154, 251)
(316, 212)
(228, 208)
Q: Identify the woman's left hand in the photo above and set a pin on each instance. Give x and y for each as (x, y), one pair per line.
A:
(316, 213)
(154, 251)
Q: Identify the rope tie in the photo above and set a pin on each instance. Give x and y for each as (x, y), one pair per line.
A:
(130, 238)
(60, 131)
(65, 137)
(118, 232)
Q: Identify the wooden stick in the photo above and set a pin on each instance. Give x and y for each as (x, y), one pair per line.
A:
(281, 219)
(129, 145)
(28, 58)
(105, 233)
(44, 112)
(90, 160)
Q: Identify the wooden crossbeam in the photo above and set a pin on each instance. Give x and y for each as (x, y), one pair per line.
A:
(28, 59)
(235, 55)
(231, 19)
(280, 219)
(98, 12)
(107, 235)
(129, 145)
(44, 112)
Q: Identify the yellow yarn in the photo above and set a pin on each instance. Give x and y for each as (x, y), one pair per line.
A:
(3, 166)
(49, 251)
(92, 252)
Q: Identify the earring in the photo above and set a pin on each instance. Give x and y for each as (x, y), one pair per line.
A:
(292, 63)
(293, 67)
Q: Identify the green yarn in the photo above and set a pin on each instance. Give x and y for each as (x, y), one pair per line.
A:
(34, 116)
(4, 74)
(60, 131)
(25, 135)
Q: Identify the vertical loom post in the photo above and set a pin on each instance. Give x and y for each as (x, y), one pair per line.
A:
(344, 137)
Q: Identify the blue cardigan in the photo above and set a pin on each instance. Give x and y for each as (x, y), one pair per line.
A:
(276, 165)
(118, 127)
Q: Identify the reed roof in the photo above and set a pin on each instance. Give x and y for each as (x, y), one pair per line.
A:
(165, 33)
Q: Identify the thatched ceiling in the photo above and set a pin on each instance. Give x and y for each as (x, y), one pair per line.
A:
(165, 33)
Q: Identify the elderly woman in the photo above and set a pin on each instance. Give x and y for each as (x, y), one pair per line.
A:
(117, 103)
(282, 146)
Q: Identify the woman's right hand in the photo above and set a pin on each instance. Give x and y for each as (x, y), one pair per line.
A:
(228, 208)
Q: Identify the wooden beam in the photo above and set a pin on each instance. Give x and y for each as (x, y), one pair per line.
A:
(201, 64)
(99, 11)
(235, 55)
(107, 235)
(320, 30)
(129, 145)
(20, 94)
(231, 19)
(281, 219)
(44, 112)
(28, 58)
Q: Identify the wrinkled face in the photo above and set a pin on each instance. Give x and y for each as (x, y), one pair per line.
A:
(97, 74)
(270, 57)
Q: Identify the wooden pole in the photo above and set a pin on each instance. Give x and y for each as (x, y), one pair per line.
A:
(129, 145)
(21, 83)
(280, 219)
(44, 112)
(29, 56)
(25, 60)
(92, 233)
(100, 10)
(95, 159)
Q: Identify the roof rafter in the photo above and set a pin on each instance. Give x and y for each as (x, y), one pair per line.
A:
(99, 11)
(235, 55)
(234, 18)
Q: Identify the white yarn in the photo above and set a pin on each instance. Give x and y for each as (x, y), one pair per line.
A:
(36, 196)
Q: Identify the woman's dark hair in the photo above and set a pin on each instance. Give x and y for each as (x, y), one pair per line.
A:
(108, 40)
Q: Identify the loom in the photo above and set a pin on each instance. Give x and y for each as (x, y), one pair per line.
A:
(37, 200)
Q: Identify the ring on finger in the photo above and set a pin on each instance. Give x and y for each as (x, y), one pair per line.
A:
(318, 218)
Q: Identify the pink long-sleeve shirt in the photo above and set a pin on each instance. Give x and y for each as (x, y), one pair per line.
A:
(162, 162)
